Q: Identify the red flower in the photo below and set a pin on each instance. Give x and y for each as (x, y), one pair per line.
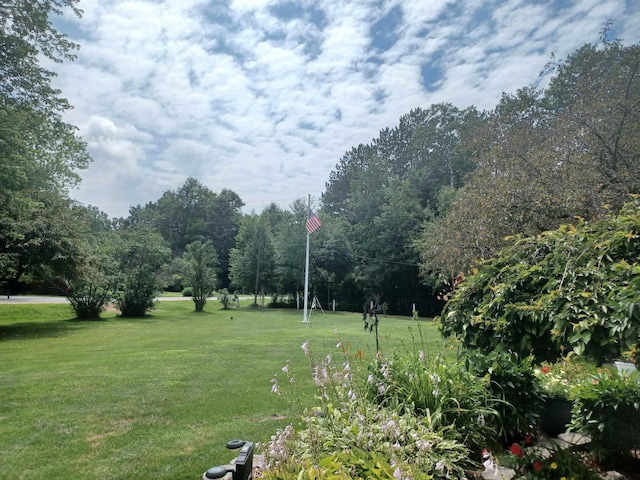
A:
(516, 450)
(527, 440)
(545, 369)
(537, 466)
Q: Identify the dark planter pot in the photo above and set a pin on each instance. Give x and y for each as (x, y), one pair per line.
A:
(555, 416)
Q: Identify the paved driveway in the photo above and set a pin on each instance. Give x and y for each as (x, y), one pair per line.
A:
(18, 299)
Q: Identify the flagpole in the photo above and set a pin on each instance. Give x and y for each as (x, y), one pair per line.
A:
(306, 273)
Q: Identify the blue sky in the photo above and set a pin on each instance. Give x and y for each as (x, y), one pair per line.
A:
(263, 97)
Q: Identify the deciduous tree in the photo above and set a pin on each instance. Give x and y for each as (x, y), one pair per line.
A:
(200, 268)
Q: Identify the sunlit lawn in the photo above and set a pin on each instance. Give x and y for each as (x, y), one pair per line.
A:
(156, 397)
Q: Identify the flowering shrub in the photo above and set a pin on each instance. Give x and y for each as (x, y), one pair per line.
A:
(560, 380)
(415, 446)
(445, 391)
(530, 461)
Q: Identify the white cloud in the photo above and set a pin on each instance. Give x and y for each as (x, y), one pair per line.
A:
(245, 100)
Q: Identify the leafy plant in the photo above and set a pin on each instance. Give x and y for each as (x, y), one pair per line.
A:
(200, 266)
(571, 290)
(514, 385)
(530, 461)
(445, 392)
(96, 281)
(356, 464)
(561, 379)
(608, 411)
(416, 442)
(141, 256)
(225, 298)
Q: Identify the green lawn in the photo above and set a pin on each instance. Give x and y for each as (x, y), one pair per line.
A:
(156, 397)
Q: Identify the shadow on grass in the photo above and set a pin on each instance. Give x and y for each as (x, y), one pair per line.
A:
(35, 330)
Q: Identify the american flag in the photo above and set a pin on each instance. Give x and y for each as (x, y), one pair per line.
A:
(313, 222)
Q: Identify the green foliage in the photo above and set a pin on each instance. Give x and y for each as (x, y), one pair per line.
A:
(141, 256)
(193, 212)
(96, 282)
(199, 268)
(42, 238)
(187, 292)
(252, 259)
(419, 416)
(415, 446)
(39, 153)
(225, 298)
(573, 289)
(353, 463)
(544, 156)
(27, 32)
(513, 383)
(561, 379)
(607, 410)
(452, 398)
(531, 461)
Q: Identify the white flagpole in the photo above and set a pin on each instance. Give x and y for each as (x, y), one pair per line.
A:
(306, 270)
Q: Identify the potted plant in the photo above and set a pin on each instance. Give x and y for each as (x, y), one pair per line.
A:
(559, 382)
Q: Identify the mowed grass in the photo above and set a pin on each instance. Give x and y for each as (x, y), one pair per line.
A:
(158, 397)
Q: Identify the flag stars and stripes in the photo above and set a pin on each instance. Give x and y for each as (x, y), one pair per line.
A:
(313, 222)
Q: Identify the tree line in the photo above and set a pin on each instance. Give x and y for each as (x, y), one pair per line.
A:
(402, 216)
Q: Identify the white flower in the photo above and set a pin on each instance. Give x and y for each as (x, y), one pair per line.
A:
(421, 355)
(285, 369)
(274, 388)
(423, 444)
(305, 347)
(397, 473)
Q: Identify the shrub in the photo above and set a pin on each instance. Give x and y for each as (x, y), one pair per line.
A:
(416, 446)
(141, 256)
(413, 446)
(96, 281)
(608, 411)
(443, 391)
(187, 292)
(344, 464)
(225, 298)
(513, 383)
(571, 289)
(199, 265)
(89, 301)
(530, 461)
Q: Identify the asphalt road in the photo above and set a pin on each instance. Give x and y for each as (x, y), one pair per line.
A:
(18, 299)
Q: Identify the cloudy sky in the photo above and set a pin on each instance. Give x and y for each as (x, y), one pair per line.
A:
(264, 96)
